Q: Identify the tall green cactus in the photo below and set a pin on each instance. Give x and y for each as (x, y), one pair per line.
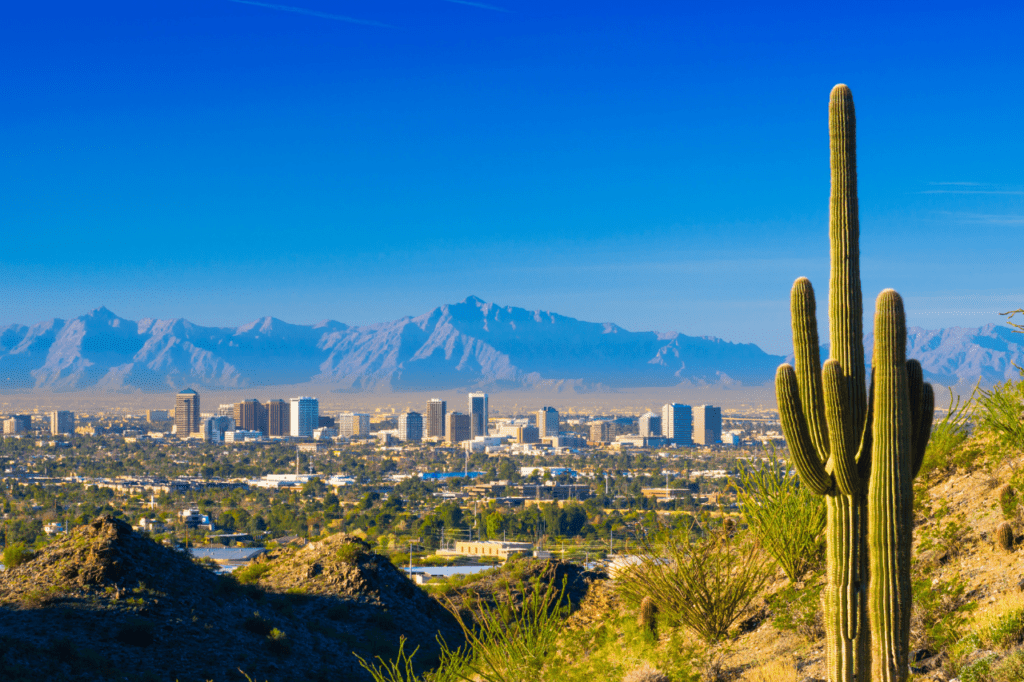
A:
(826, 415)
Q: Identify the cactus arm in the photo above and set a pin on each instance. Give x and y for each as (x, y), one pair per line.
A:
(864, 451)
(845, 308)
(807, 356)
(915, 391)
(890, 496)
(840, 430)
(798, 437)
(924, 427)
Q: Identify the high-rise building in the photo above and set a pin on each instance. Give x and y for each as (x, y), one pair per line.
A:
(477, 414)
(13, 426)
(650, 425)
(186, 414)
(62, 421)
(457, 427)
(353, 425)
(214, 428)
(436, 409)
(157, 415)
(304, 416)
(250, 415)
(602, 431)
(547, 422)
(677, 423)
(226, 410)
(707, 425)
(527, 434)
(278, 418)
(410, 427)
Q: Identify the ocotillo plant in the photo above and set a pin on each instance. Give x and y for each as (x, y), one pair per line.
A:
(827, 418)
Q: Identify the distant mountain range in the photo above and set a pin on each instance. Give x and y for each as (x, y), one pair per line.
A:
(471, 345)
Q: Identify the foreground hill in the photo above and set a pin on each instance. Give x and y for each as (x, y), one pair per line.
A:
(106, 603)
(467, 345)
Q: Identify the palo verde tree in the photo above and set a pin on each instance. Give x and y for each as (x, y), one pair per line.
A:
(859, 448)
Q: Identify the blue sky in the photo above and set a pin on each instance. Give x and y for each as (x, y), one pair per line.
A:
(662, 165)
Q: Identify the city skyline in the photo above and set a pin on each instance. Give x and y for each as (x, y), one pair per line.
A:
(685, 146)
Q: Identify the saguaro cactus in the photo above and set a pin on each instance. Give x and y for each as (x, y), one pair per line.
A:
(827, 418)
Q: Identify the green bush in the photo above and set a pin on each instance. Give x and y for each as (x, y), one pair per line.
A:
(703, 581)
(798, 609)
(278, 642)
(1006, 632)
(350, 552)
(16, 554)
(944, 452)
(999, 411)
(257, 624)
(250, 575)
(786, 518)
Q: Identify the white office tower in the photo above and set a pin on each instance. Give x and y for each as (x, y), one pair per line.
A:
(547, 422)
(226, 410)
(478, 414)
(677, 423)
(410, 427)
(62, 421)
(707, 425)
(353, 425)
(304, 417)
(650, 425)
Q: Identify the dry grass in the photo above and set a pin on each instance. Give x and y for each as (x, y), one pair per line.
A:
(774, 671)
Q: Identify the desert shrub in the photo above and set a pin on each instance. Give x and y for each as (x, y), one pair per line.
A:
(1010, 669)
(510, 640)
(1007, 631)
(787, 519)
(940, 613)
(702, 580)
(944, 452)
(278, 642)
(250, 575)
(257, 624)
(950, 533)
(798, 609)
(350, 552)
(1000, 409)
(16, 554)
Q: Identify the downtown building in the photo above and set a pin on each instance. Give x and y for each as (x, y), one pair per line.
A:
(353, 425)
(278, 418)
(186, 414)
(677, 424)
(434, 423)
(707, 425)
(547, 422)
(477, 414)
(305, 417)
(457, 427)
(649, 425)
(410, 427)
(62, 421)
(250, 415)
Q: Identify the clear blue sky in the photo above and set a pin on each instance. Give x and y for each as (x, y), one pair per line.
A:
(662, 165)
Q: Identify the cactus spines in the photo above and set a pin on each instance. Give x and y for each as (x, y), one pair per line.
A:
(647, 617)
(1004, 536)
(852, 443)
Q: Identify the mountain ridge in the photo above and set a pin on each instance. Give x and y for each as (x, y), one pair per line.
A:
(471, 344)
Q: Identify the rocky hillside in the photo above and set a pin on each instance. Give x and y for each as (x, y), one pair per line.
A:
(106, 603)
